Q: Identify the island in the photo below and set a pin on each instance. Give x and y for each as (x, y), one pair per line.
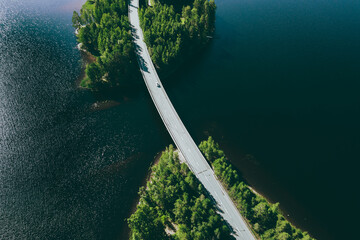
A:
(173, 31)
(177, 203)
(103, 31)
(174, 205)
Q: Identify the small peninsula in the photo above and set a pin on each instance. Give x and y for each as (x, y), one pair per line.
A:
(103, 30)
(173, 31)
(265, 218)
(174, 205)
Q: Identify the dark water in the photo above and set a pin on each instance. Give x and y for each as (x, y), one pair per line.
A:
(279, 82)
(66, 171)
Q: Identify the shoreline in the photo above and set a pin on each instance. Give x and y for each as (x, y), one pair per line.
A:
(176, 68)
(171, 71)
(173, 190)
(126, 230)
(86, 58)
(156, 160)
(148, 177)
(294, 213)
(284, 213)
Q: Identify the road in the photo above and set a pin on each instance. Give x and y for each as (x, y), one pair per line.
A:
(181, 136)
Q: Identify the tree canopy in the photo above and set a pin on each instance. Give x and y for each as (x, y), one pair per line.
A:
(174, 206)
(173, 29)
(265, 218)
(104, 31)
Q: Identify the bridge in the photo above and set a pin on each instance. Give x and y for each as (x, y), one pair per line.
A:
(181, 137)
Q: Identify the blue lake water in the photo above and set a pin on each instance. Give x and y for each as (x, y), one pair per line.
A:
(277, 87)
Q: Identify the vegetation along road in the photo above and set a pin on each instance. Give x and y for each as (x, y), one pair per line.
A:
(180, 135)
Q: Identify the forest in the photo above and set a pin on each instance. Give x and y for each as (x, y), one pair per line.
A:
(104, 32)
(265, 218)
(175, 29)
(174, 206)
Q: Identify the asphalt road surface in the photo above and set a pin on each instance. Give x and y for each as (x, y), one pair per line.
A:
(180, 135)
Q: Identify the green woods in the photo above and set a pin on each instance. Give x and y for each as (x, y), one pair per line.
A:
(265, 218)
(174, 29)
(104, 32)
(174, 206)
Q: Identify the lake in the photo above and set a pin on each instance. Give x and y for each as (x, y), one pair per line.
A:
(277, 88)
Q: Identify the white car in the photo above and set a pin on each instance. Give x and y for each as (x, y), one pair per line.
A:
(157, 84)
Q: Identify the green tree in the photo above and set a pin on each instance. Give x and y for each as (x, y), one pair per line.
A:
(283, 226)
(174, 29)
(173, 201)
(284, 236)
(145, 224)
(265, 218)
(76, 20)
(211, 149)
(106, 35)
(93, 71)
